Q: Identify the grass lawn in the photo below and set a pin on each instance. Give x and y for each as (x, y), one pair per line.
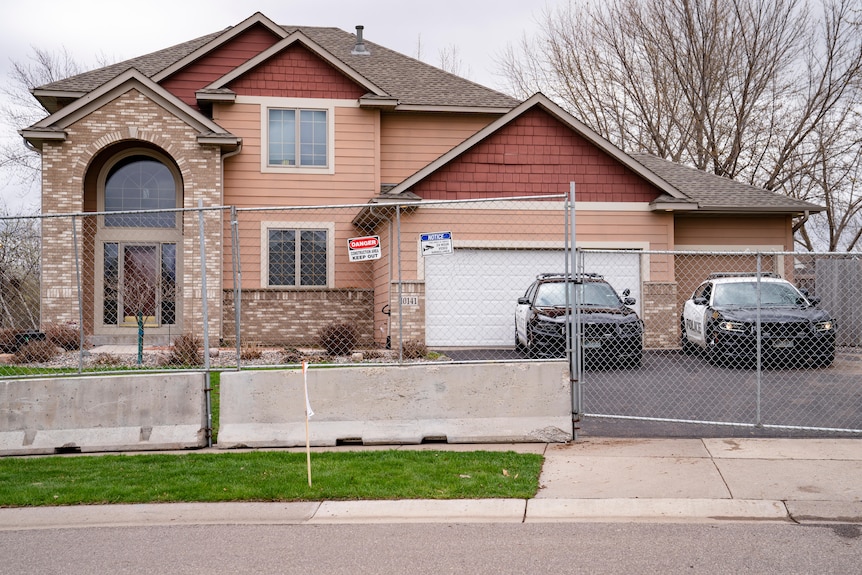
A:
(267, 476)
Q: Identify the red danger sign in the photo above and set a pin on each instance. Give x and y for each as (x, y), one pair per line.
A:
(363, 249)
(363, 243)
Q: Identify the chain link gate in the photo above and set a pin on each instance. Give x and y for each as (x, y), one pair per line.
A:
(768, 340)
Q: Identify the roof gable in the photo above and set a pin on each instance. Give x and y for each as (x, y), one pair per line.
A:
(290, 66)
(678, 188)
(532, 155)
(520, 119)
(297, 72)
(53, 127)
(213, 64)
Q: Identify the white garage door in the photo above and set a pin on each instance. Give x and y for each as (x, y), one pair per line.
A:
(470, 294)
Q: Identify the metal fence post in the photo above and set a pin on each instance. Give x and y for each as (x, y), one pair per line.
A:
(205, 319)
(80, 295)
(400, 285)
(573, 320)
(237, 282)
(758, 330)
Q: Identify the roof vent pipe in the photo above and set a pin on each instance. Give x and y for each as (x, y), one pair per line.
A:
(359, 48)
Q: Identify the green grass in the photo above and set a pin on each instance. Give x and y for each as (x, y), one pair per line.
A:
(267, 476)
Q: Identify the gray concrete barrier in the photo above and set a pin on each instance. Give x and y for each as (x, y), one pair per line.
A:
(467, 403)
(110, 413)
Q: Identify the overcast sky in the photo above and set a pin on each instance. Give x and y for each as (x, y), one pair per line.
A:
(116, 30)
(122, 29)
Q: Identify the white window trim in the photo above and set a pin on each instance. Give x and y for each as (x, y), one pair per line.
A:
(264, 252)
(296, 103)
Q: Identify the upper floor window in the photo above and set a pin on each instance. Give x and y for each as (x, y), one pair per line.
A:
(297, 137)
(140, 182)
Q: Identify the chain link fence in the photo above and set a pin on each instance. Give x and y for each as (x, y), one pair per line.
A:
(737, 338)
(769, 340)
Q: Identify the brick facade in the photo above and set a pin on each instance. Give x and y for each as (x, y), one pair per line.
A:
(660, 315)
(295, 317)
(128, 120)
(412, 316)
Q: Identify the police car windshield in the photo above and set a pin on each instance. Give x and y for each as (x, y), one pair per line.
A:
(744, 294)
(589, 294)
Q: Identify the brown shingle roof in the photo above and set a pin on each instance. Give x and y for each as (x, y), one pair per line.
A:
(714, 193)
(410, 81)
(149, 65)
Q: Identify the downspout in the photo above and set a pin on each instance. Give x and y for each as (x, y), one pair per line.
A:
(800, 223)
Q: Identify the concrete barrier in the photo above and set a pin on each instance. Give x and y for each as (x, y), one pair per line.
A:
(469, 403)
(111, 413)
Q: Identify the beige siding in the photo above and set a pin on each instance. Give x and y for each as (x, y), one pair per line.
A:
(355, 179)
(530, 228)
(731, 231)
(411, 141)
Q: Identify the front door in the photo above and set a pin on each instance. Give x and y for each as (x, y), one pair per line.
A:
(139, 280)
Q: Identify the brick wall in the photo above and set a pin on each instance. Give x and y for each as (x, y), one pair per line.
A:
(660, 315)
(294, 317)
(412, 315)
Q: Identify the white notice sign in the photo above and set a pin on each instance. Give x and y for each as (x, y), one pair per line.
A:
(436, 243)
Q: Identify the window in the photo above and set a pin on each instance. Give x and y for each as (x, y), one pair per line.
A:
(140, 182)
(297, 257)
(298, 138)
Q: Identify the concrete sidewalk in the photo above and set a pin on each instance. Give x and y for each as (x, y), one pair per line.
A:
(594, 479)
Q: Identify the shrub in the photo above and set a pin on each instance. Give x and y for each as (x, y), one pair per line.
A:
(185, 351)
(291, 355)
(338, 338)
(414, 349)
(63, 336)
(36, 351)
(249, 352)
(107, 360)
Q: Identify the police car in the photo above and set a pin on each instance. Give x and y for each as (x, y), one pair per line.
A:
(612, 332)
(721, 316)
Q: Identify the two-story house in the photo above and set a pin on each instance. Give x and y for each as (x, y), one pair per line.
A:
(262, 116)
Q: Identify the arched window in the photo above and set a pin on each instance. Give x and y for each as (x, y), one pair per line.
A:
(140, 182)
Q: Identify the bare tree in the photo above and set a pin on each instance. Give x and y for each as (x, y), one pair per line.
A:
(21, 109)
(20, 261)
(450, 60)
(762, 91)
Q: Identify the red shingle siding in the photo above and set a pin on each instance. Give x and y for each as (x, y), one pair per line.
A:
(535, 154)
(296, 73)
(219, 62)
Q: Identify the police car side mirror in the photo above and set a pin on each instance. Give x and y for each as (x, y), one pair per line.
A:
(700, 301)
(523, 301)
(629, 301)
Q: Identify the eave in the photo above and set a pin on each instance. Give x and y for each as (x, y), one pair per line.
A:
(53, 100)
